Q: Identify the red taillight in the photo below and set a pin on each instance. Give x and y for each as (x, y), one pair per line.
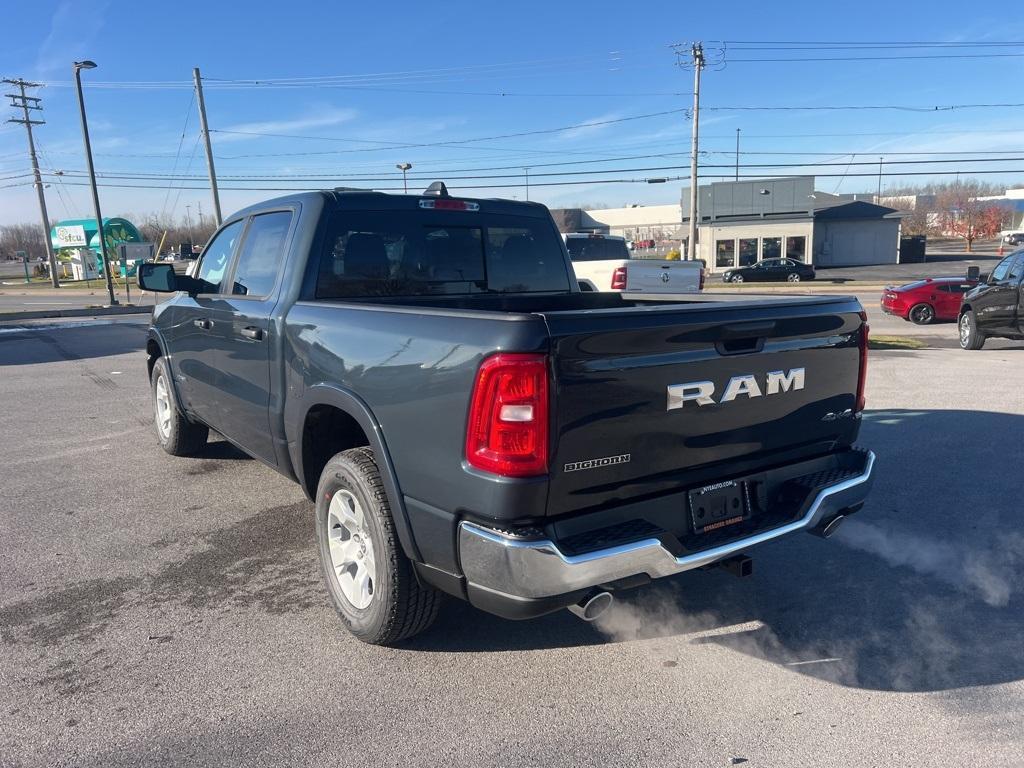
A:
(619, 279)
(507, 433)
(862, 378)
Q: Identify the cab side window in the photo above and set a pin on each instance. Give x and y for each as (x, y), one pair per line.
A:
(217, 256)
(262, 254)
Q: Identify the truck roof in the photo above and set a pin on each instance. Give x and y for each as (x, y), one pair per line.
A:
(367, 199)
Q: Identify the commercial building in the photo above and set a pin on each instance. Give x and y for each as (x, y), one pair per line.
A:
(743, 222)
(659, 225)
(78, 241)
(1013, 201)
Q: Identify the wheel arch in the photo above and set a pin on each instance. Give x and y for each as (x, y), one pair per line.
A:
(333, 420)
(156, 347)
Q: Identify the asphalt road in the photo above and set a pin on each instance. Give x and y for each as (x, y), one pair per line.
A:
(161, 611)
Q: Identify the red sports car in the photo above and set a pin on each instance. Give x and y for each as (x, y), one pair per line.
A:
(925, 301)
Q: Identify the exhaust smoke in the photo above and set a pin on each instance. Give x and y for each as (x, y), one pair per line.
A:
(992, 574)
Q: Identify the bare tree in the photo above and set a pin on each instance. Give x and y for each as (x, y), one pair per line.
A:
(960, 212)
(21, 237)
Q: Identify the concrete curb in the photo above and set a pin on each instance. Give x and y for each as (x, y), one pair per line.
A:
(83, 312)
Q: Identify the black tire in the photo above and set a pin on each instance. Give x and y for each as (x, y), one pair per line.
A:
(400, 606)
(736, 279)
(970, 336)
(793, 277)
(177, 435)
(921, 314)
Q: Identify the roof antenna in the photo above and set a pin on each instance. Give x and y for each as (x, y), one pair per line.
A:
(437, 189)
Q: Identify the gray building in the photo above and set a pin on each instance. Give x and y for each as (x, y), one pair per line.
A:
(743, 222)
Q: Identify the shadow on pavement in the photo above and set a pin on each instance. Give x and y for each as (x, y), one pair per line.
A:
(49, 344)
(922, 590)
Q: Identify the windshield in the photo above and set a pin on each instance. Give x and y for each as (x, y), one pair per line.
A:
(596, 248)
(414, 253)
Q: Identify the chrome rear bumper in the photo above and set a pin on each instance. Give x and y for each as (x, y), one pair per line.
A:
(499, 562)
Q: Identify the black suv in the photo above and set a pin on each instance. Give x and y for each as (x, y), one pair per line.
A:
(996, 306)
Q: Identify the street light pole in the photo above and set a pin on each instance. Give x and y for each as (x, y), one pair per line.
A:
(78, 67)
(403, 167)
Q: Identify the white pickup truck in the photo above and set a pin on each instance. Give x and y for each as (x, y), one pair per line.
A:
(603, 263)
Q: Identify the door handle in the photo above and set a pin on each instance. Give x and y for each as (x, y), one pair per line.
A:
(253, 333)
(203, 323)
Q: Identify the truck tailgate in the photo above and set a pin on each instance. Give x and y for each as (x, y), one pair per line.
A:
(618, 435)
(657, 276)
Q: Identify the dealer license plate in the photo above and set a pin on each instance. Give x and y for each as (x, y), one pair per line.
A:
(716, 506)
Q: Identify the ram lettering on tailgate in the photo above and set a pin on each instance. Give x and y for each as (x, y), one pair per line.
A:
(703, 392)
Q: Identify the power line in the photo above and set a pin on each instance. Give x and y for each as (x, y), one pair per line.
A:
(874, 58)
(725, 175)
(177, 154)
(550, 174)
(854, 107)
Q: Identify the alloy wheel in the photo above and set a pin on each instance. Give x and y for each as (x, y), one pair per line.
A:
(922, 314)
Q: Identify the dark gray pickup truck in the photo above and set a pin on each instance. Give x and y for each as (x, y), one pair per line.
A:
(469, 422)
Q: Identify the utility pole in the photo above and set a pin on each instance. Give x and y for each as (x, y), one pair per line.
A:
(878, 197)
(527, 183)
(199, 205)
(737, 154)
(209, 147)
(188, 220)
(697, 52)
(27, 103)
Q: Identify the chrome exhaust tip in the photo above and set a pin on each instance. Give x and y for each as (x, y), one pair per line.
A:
(826, 530)
(593, 605)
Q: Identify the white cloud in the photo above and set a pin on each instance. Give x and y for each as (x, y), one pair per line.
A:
(321, 119)
(73, 31)
(590, 127)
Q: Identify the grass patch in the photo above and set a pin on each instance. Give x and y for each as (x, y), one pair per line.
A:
(895, 342)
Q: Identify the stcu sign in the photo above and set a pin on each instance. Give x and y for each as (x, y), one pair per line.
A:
(72, 236)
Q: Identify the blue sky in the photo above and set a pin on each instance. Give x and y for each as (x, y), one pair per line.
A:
(367, 85)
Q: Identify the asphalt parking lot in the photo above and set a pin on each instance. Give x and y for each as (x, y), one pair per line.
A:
(162, 611)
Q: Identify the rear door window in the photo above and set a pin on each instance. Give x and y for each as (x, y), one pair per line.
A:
(262, 254)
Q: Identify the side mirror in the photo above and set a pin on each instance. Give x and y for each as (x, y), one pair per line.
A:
(159, 278)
